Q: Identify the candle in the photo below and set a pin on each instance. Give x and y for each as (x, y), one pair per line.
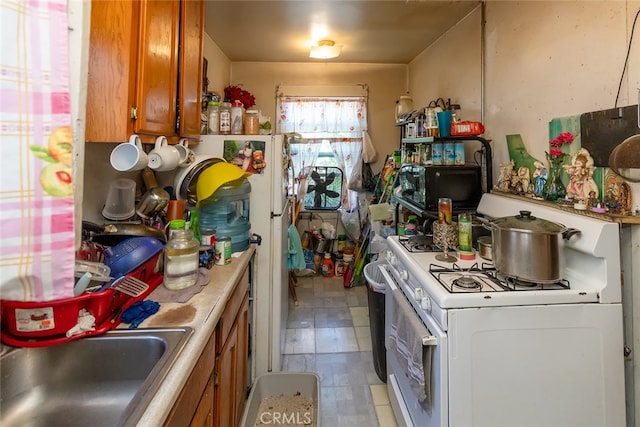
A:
(444, 210)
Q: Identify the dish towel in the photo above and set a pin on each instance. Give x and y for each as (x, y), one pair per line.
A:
(296, 254)
(405, 340)
(37, 250)
(162, 294)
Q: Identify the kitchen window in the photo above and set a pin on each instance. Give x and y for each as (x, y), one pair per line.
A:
(332, 130)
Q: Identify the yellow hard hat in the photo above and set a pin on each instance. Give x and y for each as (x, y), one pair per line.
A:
(215, 176)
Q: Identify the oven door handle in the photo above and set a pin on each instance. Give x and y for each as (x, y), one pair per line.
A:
(392, 286)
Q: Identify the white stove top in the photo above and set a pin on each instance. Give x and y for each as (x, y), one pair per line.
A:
(592, 271)
(415, 269)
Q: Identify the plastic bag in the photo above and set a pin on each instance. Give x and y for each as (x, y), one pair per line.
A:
(369, 153)
(361, 178)
(351, 222)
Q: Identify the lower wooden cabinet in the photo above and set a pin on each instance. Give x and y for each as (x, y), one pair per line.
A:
(195, 403)
(215, 393)
(232, 357)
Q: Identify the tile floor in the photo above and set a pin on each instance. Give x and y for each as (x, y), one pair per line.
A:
(328, 333)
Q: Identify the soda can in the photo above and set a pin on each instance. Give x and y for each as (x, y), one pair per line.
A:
(459, 150)
(437, 153)
(449, 153)
(223, 251)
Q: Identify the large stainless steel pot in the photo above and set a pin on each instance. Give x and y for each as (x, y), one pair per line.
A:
(529, 248)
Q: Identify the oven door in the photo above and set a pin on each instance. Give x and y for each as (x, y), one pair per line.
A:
(408, 409)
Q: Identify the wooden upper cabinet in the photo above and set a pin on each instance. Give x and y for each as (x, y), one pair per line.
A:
(156, 92)
(190, 82)
(111, 84)
(138, 72)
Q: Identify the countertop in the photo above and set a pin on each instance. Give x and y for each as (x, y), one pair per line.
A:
(201, 313)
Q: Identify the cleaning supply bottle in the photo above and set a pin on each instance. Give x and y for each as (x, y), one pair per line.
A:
(327, 265)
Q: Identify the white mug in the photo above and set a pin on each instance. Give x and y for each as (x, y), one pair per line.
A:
(129, 156)
(187, 156)
(164, 157)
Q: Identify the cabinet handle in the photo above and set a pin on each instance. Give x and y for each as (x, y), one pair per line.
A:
(134, 112)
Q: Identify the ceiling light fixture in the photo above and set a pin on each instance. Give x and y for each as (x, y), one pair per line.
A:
(325, 49)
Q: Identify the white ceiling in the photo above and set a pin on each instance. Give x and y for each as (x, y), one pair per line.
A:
(371, 31)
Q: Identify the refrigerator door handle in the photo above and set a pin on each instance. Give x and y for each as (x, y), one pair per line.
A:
(256, 238)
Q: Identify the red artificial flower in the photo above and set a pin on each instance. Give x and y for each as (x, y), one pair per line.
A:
(557, 142)
(563, 138)
(555, 152)
(236, 93)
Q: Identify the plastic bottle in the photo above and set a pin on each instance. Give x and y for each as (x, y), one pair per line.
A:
(213, 110)
(225, 118)
(327, 265)
(348, 270)
(237, 112)
(181, 260)
(342, 242)
(340, 265)
(411, 226)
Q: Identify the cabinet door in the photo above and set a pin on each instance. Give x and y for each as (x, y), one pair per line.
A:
(243, 355)
(112, 65)
(226, 387)
(204, 413)
(190, 84)
(157, 74)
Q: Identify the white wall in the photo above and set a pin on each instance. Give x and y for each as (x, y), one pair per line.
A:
(543, 60)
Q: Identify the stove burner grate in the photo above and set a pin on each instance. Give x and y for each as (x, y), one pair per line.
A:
(525, 285)
(418, 243)
(458, 279)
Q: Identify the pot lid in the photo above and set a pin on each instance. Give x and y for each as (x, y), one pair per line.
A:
(527, 222)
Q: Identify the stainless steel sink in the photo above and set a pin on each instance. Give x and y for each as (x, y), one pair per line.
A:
(106, 380)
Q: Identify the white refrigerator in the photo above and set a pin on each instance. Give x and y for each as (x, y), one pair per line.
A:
(267, 157)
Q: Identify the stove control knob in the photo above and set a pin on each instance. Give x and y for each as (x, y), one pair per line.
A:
(425, 303)
(418, 294)
(404, 275)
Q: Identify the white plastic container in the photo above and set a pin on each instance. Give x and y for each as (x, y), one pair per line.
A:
(285, 383)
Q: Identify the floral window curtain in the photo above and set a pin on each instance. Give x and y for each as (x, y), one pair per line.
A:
(341, 120)
(36, 202)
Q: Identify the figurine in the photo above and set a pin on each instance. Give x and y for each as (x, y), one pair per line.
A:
(523, 180)
(504, 180)
(540, 178)
(581, 183)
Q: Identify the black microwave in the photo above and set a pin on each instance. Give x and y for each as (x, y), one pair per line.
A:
(423, 185)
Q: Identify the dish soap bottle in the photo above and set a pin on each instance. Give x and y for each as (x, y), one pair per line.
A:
(327, 265)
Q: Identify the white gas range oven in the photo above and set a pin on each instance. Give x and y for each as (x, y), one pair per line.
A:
(467, 347)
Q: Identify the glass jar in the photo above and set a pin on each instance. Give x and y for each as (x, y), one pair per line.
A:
(225, 118)
(251, 122)
(213, 118)
(237, 112)
(464, 232)
(175, 225)
(181, 260)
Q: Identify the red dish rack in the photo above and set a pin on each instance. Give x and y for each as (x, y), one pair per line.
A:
(57, 317)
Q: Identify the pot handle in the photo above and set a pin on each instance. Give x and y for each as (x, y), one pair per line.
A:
(569, 232)
(486, 224)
